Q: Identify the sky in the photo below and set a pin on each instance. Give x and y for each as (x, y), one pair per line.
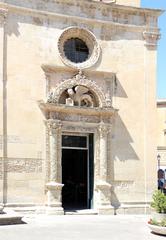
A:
(161, 67)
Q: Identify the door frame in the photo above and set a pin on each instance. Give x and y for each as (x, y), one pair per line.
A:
(89, 177)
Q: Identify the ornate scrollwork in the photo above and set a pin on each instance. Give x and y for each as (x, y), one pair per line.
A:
(79, 80)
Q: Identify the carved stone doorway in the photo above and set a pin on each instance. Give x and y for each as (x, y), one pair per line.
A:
(78, 106)
(77, 171)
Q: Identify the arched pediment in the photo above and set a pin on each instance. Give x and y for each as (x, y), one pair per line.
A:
(91, 91)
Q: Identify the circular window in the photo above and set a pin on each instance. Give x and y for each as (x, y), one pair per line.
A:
(78, 48)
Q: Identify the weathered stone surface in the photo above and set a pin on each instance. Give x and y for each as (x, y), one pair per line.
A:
(120, 109)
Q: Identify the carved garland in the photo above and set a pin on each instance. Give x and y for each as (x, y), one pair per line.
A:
(79, 79)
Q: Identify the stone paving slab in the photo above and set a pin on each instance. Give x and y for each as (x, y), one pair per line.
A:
(10, 219)
(74, 227)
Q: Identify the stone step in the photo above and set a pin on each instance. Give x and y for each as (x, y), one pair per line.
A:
(1, 208)
(81, 212)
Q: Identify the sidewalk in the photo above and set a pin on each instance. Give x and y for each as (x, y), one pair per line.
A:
(71, 227)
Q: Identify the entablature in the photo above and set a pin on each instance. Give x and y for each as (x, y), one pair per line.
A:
(91, 12)
(60, 108)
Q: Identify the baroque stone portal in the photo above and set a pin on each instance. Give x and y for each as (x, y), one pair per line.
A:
(74, 98)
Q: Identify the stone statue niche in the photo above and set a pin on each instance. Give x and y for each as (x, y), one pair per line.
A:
(79, 96)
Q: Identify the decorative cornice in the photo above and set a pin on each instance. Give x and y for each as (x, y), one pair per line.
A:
(161, 103)
(92, 3)
(50, 107)
(151, 38)
(162, 148)
(119, 16)
(49, 68)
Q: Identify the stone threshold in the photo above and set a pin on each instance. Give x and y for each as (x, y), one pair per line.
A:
(81, 212)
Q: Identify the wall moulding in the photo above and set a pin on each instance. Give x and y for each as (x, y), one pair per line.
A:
(50, 107)
(49, 68)
(113, 18)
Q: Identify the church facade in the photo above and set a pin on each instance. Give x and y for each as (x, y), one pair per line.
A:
(78, 105)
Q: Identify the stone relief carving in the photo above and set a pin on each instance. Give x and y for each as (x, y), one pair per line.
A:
(79, 80)
(79, 96)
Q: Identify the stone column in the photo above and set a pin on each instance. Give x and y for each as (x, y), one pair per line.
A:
(102, 186)
(54, 186)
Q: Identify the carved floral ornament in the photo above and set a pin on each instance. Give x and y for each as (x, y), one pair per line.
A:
(88, 38)
(78, 91)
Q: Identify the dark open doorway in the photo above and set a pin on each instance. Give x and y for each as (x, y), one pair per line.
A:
(77, 172)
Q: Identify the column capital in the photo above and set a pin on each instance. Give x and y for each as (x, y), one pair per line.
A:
(103, 129)
(151, 38)
(53, 124)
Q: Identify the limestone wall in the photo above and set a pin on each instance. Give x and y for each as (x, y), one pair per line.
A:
(31, 42)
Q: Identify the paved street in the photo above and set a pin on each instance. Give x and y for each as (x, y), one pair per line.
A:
(80, 227)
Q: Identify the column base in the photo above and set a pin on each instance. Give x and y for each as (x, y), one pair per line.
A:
(54, 204)
(104, 194)
(106, 210)
(54, 210)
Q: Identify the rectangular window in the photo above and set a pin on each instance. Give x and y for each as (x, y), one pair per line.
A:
(74, 141)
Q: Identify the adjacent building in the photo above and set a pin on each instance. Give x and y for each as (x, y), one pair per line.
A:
(161, 133)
